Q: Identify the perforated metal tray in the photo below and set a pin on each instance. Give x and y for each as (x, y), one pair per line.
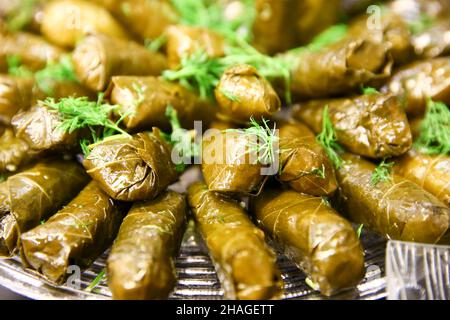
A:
(196, 275)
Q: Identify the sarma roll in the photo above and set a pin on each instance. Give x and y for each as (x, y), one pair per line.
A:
(245, 264)
(339, 68)
(185, 40)
(146, 100)
(305, 166)
(322, 243)
(242, 93)
(97, 58)
(35, 194)
(141, 264)
(229, 164)
(396, 208)
(146, 19)
(40, 128)
(14, 152)
(16, 93)
(65, 22)
(433, 42)
(371, 125)
(75, 235)
(431, 172)
(33, 51)
(422, 80)
(132, 168)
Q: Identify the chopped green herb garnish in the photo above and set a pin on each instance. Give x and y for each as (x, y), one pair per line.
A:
(21, 16)
(16, 68)
(359, 231)
(211, 14)
(54, 72)
(156, 44)
(382, 172)
(319, 171)
(229, 95)
(369, 90)
(434, 135)
(42, 221)
(424, 23)
(328, 139)
(139, 89)
(96, 281)
(79, 113)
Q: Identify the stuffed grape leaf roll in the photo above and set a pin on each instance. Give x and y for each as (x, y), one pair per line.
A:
(431, 172)
(433, 42)
(339, 68)
(16, 93)
(242, 93)
(372, 125)
(322, 243)
(14, 152)
(65, 22)
(414, 84)
(395, 208)
(245, 264)
(75, 235)
(305, 166)
(145, 99)
(97, 58)
(35, 194)
(132, 168)
(141, 263)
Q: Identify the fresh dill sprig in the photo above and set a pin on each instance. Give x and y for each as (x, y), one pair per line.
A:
(181, 139)
(382, 172)
(211, 14)
(319, 171)
(19, 18)
(96, 281)
(266, 140)
(359, 231)
(424, 22)
(79, 113)
(199, 72)
(156, 44)
(16, 68)
(369, 90)
(229, 95)
(55, 71)
(434, 135)
(328, 139)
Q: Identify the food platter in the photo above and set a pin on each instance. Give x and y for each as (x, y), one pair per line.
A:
(196, 276)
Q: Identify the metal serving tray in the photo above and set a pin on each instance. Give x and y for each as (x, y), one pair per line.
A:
(196, 275)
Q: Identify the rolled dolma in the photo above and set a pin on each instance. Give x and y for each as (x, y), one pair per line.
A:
(433, 42)
(16, 93)
(141, 263)
(339, 68)
(146, 19)
(132, 168)
(75, 235)
(393, 32)
(396, 208)
(14, 152)
(229, 164)
(185, 40)
(35, 194)
(431, 172)
(322, 243)
(416, 83)
(33, 51)
(242, 93)
(245, 264)
(371, 125)
(146, 100)
(65, 22)
(304, 163)
(40, 128)
(97, 58)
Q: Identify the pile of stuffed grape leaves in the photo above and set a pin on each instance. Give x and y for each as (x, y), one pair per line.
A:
(266, 132)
